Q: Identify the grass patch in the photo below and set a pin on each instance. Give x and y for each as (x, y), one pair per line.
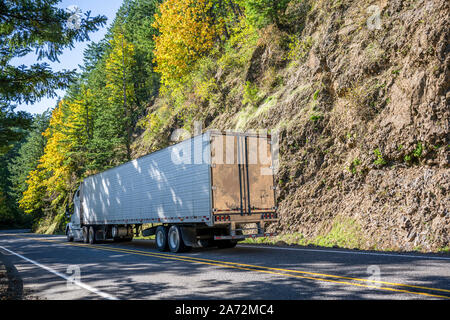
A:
(445, 249)
(344, 233)
(293, 238)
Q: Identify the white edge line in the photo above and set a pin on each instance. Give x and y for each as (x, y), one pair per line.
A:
(399, 255)
(78, 283)
(396, 255)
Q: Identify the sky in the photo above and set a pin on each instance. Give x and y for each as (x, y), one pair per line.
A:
(70, 59)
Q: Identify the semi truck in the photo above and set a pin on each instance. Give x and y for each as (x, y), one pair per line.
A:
(214, 189)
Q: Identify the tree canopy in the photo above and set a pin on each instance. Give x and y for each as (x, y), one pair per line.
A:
(39, 26)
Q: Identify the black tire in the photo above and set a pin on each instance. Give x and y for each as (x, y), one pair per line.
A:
(175, 240)
(161, 238)
(69, 238)
(85, 234)
(92, 239)
(226, 244)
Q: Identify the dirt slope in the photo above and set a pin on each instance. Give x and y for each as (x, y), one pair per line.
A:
(363, 115)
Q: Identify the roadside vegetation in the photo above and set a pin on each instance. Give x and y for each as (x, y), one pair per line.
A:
(342, 233)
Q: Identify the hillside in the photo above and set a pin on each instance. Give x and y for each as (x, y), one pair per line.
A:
(362, 116)
(357, 91)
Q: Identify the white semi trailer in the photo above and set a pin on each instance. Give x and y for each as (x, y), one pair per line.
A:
(203, 191)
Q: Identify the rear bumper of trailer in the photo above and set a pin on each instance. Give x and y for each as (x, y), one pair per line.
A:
(245, 236)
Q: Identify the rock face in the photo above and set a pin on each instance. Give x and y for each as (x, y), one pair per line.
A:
(364, 125)
(362, 111)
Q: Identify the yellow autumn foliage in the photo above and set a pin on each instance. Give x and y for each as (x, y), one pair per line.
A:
(118, 69)
(186, 31)
(52, 178)
(52, 173)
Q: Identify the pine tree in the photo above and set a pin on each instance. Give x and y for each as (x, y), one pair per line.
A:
(264, 12)
(118, 82)
(13, 127)
(27, 156)
(39, 26)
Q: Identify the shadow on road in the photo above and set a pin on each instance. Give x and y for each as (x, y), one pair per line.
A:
(140, 276)
(11, 285)
(406, 270)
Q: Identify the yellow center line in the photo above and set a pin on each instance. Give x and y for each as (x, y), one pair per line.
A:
(263, 269)
(291, 270)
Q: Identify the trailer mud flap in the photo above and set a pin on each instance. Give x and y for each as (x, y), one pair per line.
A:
(189, 235)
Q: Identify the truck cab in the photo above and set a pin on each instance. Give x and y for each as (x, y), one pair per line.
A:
(73, 228)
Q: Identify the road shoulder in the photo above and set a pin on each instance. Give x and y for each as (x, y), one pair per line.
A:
(11, 284)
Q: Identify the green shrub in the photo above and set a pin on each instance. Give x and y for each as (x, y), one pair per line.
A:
(417, 153)
(289, 15)
(353, 166)
(379, 160)
(251, 94)
(264, 12)
(299, 48)
(345, 232)
(238, 50)
(315, 116)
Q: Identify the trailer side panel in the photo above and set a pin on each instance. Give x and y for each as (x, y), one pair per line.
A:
(170, 185)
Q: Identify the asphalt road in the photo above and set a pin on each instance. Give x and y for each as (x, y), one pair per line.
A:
(54, 269)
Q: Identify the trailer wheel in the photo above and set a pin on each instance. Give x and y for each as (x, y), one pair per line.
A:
(85, 235)
(161, 238)
(69, 237)
(92, 239)
(175, 240)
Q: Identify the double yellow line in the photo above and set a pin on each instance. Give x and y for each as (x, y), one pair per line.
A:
(359, 282)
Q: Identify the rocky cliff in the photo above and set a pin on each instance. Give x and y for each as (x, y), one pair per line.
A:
(362, 108)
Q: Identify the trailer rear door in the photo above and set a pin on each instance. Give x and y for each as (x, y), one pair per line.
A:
(260, 173)
(241, 172)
